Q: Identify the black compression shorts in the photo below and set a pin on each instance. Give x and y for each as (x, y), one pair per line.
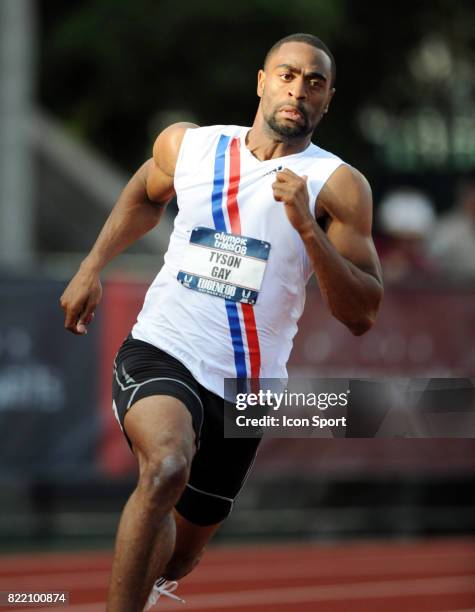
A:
(220, 465)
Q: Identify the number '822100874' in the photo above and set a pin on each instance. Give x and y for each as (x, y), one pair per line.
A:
(18, 598)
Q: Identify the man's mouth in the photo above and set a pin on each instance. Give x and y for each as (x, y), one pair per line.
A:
(292, 113)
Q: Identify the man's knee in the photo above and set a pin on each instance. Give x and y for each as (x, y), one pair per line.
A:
(163, 476)
(162, 436)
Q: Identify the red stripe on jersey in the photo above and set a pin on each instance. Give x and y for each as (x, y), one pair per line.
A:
(252, 339)
(234, 178)
(235, 221)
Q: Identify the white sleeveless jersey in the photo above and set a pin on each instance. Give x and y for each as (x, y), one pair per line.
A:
(228, 297)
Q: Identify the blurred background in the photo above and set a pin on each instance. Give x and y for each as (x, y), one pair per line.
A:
(85, 88)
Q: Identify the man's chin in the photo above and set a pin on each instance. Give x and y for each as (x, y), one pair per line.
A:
(288, 130)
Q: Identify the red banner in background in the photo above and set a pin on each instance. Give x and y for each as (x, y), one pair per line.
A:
(420, 332)
(121, 302)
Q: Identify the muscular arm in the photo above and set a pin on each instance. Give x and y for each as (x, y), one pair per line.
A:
(344, 258)
(138, 209)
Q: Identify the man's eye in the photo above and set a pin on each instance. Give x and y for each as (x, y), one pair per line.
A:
(286, 76)
(315, 83)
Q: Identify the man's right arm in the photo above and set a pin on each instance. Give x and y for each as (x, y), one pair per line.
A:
(138, 210)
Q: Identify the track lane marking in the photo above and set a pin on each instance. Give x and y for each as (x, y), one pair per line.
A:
(85, 580)
(352, 550)
(342, 592)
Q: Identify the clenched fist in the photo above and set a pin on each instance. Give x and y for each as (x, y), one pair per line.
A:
(291, 189)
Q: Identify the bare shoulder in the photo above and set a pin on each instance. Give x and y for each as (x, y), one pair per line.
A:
(167, 146)
(160, 170)
(347, 196)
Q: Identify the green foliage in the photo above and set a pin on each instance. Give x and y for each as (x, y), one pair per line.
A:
(109, 68)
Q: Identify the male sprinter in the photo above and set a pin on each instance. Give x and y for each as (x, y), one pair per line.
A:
(260, 209)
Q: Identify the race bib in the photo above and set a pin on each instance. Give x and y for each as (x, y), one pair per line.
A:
(224, 265)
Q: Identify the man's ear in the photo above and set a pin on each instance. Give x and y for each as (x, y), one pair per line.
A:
(261, 77)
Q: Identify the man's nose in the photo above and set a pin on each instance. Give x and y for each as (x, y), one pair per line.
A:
(297, 89)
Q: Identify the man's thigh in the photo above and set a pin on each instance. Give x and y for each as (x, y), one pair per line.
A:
(160, 427)
(155, 397)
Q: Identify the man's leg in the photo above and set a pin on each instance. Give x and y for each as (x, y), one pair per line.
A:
(219, 470)
(161, 431)
(190, 544)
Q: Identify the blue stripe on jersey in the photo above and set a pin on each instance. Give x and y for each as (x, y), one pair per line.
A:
(218, 184)
(236, 336)
(220, 225)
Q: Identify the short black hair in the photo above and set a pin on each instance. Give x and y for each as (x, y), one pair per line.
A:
(309, 39)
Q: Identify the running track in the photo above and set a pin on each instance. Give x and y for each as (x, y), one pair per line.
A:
(436, 575)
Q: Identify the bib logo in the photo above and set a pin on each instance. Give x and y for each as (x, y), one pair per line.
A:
(273, 171)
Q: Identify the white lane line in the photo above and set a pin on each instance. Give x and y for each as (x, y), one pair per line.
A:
(340, 592)
(349, 592)
(102, 559)
(202, 575)
(213, 566)
(283, 571)
(210, 569)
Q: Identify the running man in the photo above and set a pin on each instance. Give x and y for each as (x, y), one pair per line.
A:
(260, 210)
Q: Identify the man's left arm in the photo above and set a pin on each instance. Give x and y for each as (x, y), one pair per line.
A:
(344, 258)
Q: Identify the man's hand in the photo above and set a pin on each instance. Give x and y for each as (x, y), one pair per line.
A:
(80, 299)
(291, 189)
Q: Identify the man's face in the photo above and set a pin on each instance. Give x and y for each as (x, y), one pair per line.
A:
(295, 89)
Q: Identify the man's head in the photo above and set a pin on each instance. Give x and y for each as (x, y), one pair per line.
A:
(296, 86)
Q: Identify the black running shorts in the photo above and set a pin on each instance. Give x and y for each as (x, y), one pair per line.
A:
(220, 465)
